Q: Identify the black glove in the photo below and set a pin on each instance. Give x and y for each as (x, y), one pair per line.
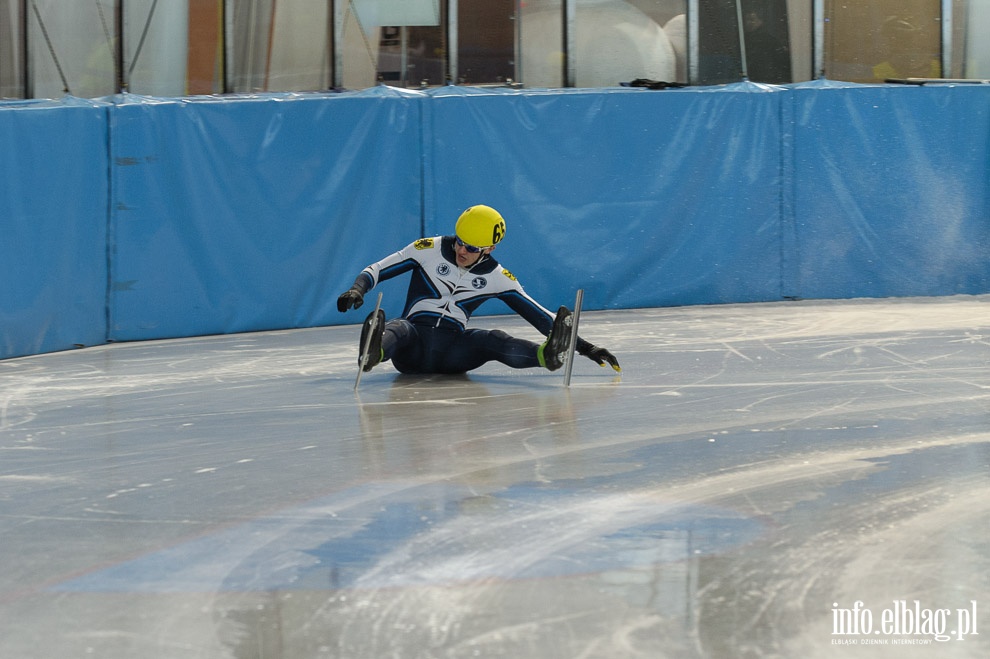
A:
(600, 356)
(352, 298)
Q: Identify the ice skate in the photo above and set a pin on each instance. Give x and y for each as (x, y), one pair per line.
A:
(375, 324)
(553, 353)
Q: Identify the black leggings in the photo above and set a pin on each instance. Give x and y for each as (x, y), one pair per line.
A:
(421, 348)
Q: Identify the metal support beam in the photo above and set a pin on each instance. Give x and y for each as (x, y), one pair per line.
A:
(120, 79)
(741, 31)
(337, 8)
(453, 68)
(946, 55)
(568, 40)
(693, 47)
(818, 37)
(26, 86)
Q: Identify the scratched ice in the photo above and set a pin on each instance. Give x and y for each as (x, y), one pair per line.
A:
(753, 468)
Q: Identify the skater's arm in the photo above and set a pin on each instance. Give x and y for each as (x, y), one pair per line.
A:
(391, 266)
(532, 311)
(536, 315)
(541, 319)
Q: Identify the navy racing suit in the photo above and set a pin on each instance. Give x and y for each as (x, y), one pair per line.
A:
(432, 335)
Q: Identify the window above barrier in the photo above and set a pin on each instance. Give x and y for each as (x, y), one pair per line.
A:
(50, 48)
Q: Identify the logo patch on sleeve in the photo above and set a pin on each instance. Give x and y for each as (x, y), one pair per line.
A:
(424, 243)
(508, 274)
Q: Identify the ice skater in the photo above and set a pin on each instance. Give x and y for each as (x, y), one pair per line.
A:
(451, 276)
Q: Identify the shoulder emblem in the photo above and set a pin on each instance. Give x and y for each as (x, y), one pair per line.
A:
(423, 243)
(508, 274)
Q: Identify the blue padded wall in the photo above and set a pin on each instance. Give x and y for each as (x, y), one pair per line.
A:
(641, 198)
(241, 215)
(891, 190)
(53, 216)
(145, 218)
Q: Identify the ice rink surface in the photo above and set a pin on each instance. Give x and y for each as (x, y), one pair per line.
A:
(806, 479)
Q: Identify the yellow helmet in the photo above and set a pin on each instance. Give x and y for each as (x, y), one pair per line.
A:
(480, 226)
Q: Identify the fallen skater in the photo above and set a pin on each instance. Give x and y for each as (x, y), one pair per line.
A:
(451, 276)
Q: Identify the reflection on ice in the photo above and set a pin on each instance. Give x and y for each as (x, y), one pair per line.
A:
(231, 497)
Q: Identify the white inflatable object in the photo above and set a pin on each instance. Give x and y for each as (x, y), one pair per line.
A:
(614, 42)
(676, 30)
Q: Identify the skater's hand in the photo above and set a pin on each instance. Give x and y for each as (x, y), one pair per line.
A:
(600, 356)
(351, 299)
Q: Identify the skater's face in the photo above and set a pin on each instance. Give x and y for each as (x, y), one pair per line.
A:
(468, 255)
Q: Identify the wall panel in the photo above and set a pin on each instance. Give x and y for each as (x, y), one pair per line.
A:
(53, 218)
